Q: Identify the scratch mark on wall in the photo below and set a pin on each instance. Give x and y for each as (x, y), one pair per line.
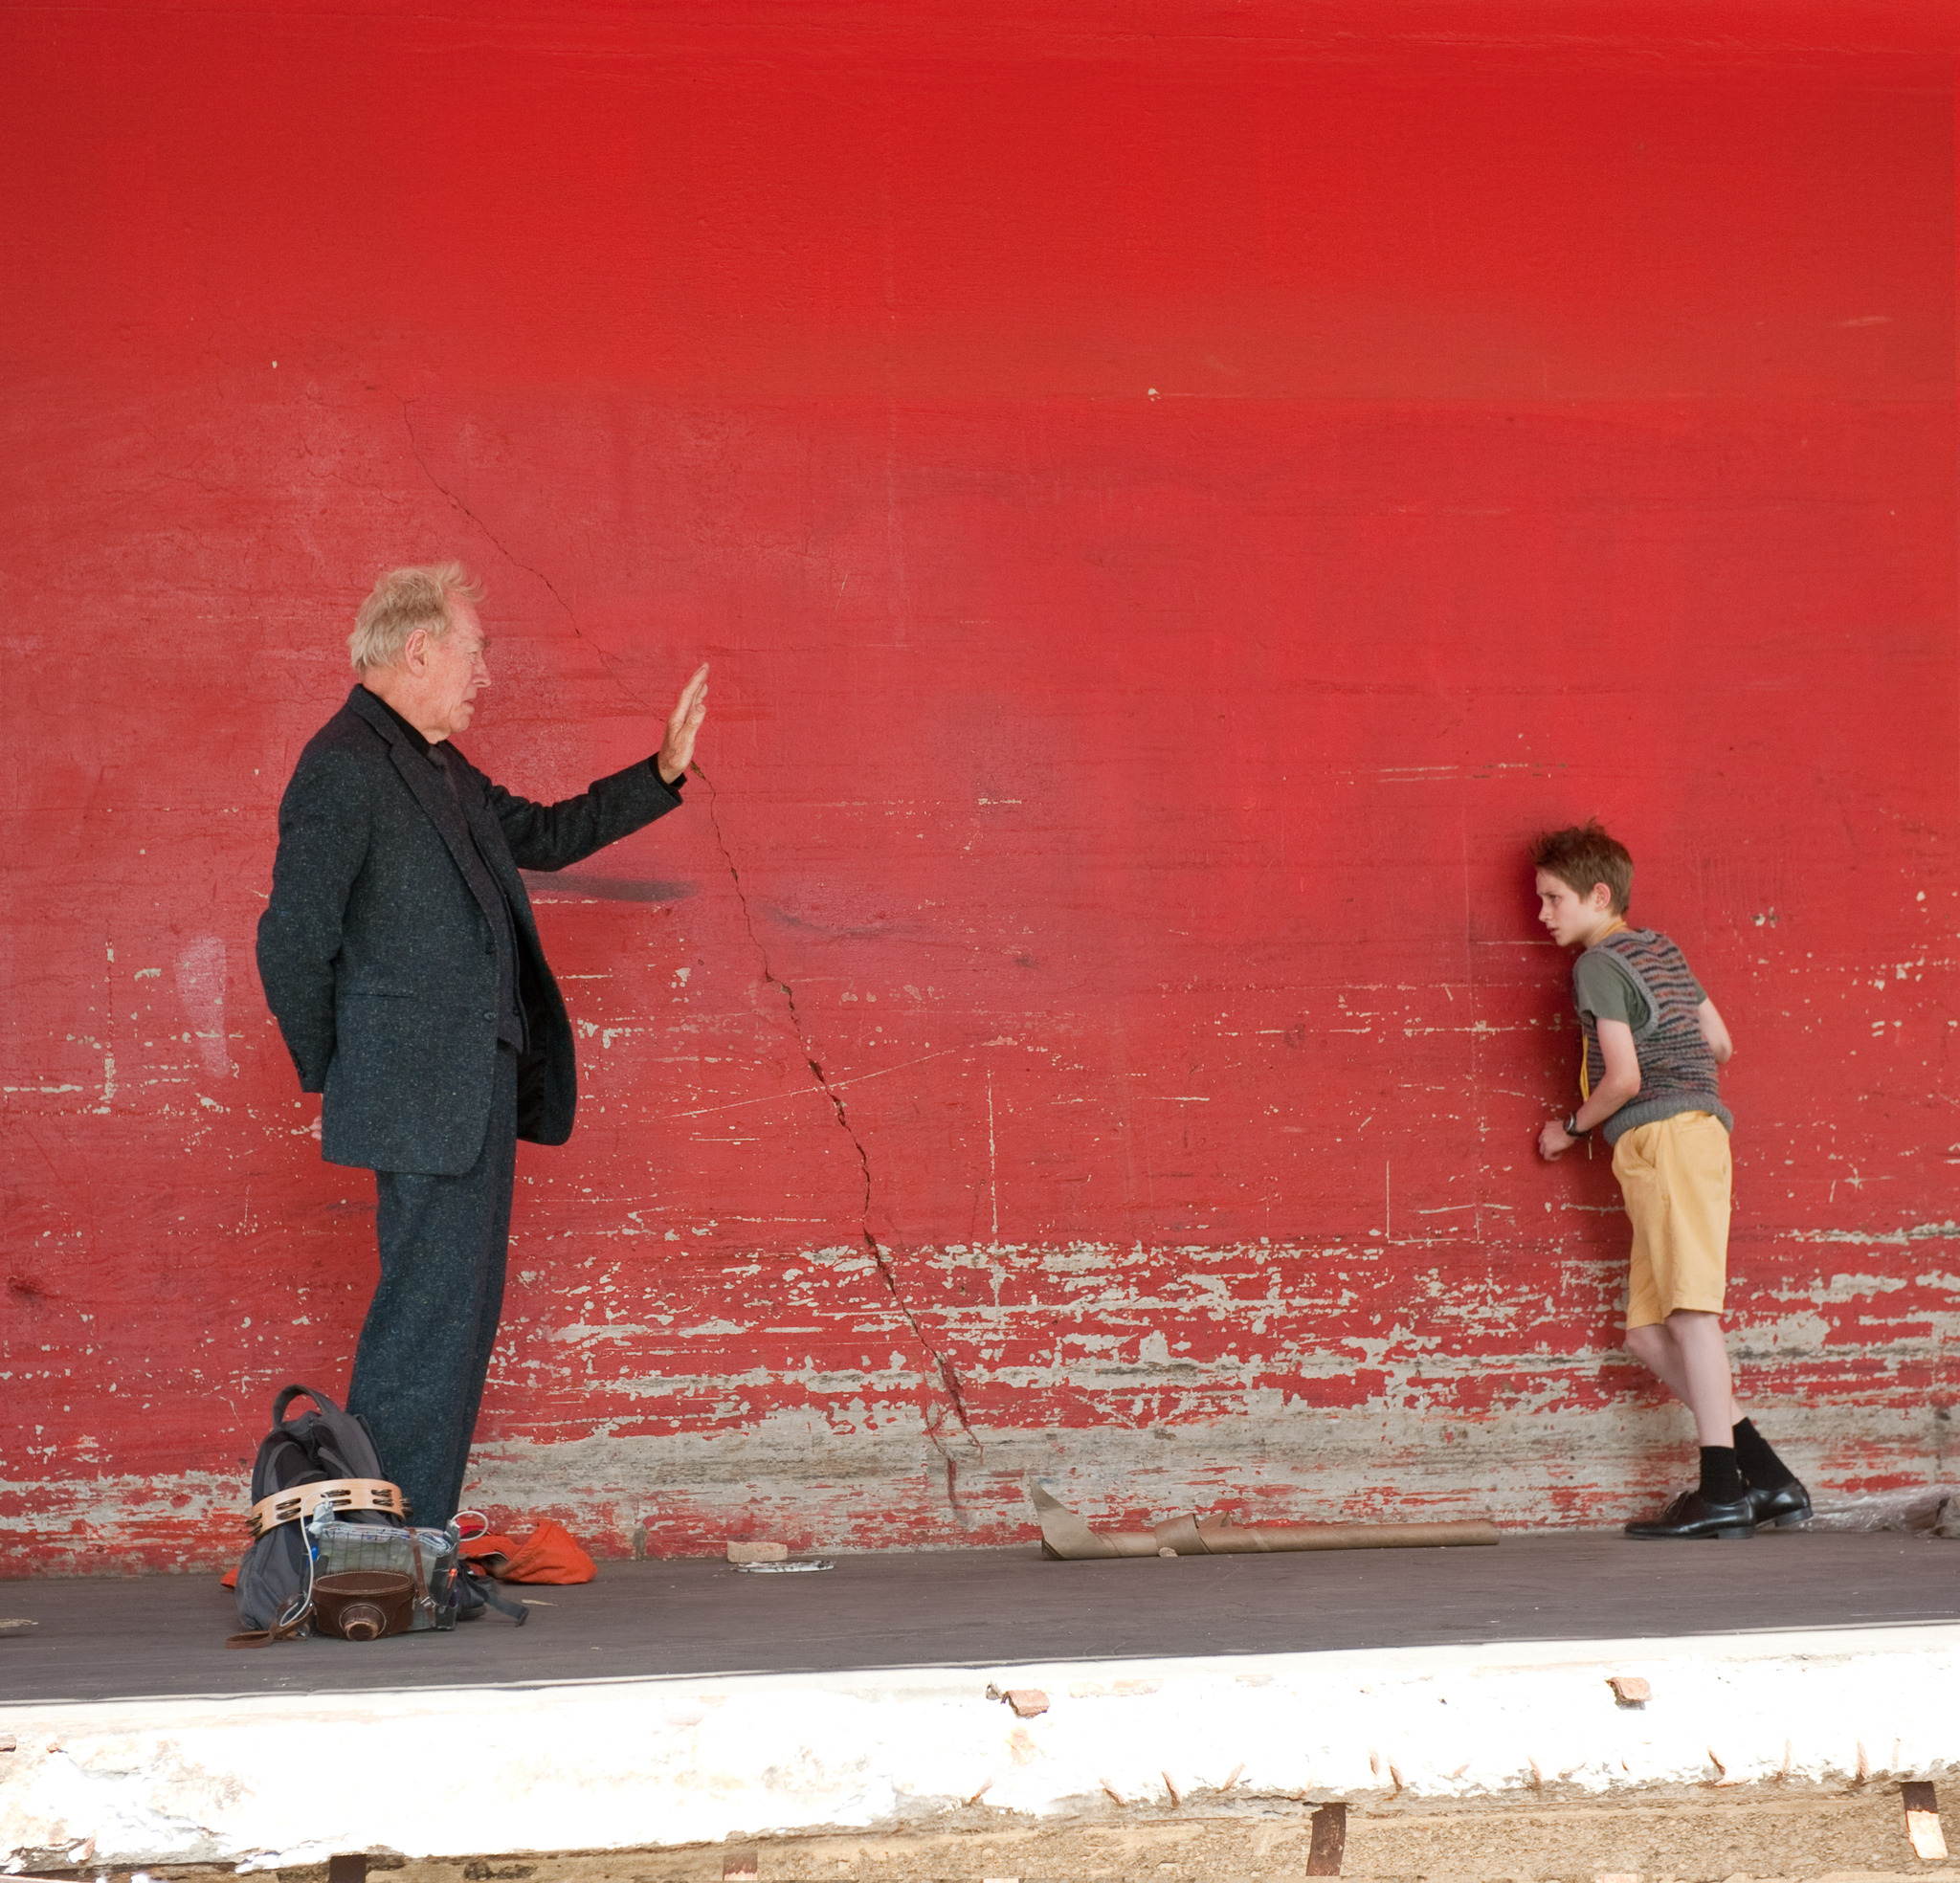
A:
(107, 1046)
(517, 562)
(992, 1158)
(1476, 1028)
(834, 1085)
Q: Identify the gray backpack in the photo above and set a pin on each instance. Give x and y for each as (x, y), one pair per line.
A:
(317, 1490)
(324, 1450)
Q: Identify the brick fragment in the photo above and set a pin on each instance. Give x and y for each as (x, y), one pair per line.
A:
(1026, 1701)
(758, 1552)
(1629, 1690)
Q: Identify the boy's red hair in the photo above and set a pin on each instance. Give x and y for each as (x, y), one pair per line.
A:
(1583, 854)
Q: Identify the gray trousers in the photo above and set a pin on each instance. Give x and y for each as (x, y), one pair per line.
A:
(425, 1347)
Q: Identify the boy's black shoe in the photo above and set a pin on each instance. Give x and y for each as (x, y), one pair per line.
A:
(1782, 1508)
(1692, 1514)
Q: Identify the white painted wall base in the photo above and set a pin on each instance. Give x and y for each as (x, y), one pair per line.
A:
(264, 1783)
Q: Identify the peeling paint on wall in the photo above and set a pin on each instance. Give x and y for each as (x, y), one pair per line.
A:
(201, 987)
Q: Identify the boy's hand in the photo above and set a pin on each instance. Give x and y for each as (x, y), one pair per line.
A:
(1552, 1141)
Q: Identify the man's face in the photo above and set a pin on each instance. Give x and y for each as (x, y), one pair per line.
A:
(455, 670)
(1570, 918)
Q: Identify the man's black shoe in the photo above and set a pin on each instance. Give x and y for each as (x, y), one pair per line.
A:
(1782, 1508)
(1692, 1514)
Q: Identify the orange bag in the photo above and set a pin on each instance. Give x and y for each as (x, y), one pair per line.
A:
(547, 1554)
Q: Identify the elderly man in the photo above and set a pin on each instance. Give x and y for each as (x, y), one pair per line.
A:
(400, 957)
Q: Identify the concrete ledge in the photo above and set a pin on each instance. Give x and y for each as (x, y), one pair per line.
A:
(270, 1782)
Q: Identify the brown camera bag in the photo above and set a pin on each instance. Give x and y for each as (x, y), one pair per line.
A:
(363, 1605)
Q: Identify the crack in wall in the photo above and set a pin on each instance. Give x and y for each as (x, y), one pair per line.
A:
(942, 1365)
(516, 562)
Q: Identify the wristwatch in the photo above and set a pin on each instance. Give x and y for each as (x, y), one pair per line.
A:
(1572, 1126)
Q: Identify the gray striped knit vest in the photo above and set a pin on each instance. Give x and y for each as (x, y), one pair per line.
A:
(1678, 1072)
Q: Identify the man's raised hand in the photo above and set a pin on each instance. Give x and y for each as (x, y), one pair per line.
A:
(677, 749)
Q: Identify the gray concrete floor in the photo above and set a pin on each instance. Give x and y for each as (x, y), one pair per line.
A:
(158, 1636)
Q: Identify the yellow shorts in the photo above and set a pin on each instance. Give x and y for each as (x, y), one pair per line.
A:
(1675, 1175)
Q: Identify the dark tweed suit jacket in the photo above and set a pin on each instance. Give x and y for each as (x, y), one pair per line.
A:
(377, 955)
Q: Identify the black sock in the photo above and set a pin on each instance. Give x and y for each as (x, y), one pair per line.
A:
(1720, 1476)
(1760, 1465)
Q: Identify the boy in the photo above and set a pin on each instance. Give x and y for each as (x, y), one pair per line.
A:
(1653, 1042)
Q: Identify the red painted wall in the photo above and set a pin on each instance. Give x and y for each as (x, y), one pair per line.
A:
(1174, 494)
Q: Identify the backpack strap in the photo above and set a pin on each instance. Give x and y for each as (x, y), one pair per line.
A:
(291, 1394)
(286, 1630)
(338, 1494)
(488, 1590)
(289, 1625)
(424, 1600)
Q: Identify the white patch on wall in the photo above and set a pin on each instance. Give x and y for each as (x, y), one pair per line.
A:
(201, 987)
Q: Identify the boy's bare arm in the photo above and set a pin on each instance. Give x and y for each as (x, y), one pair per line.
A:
(1619, 1083)
(1714, 1032)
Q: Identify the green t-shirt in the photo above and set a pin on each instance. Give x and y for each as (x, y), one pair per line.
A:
(1605, 990)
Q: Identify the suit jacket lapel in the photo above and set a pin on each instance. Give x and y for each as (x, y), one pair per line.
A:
(491, 842)
(433, 793)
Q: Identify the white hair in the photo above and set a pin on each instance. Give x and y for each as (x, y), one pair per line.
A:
(404, 600)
